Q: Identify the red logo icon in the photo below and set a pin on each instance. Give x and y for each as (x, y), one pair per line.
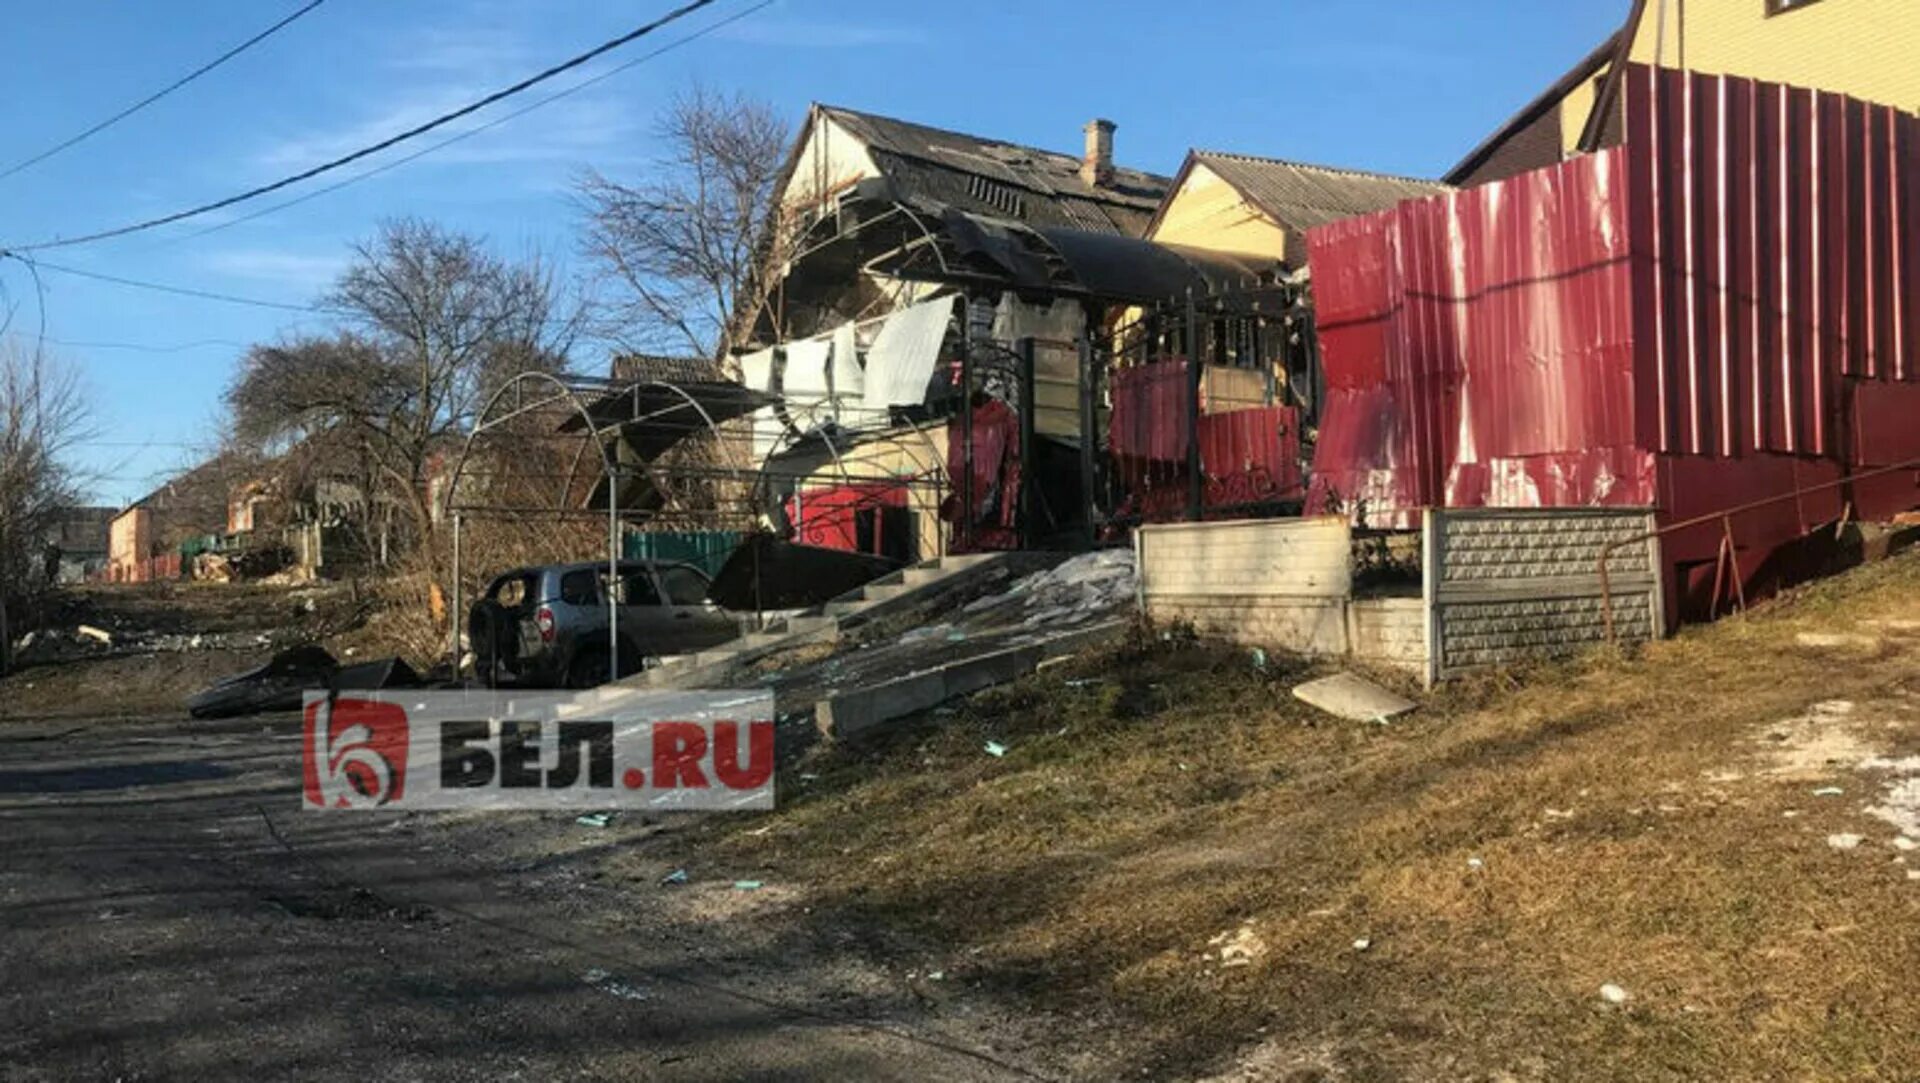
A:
(355, 753)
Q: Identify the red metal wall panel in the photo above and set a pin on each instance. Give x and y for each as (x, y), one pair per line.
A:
(1478, 349)
(1720, 311)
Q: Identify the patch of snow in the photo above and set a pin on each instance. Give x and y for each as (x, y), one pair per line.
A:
(1844, 841)
(1816, 743)
(1901, 807)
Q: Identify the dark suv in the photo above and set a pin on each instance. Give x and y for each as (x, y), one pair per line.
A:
(546, 626)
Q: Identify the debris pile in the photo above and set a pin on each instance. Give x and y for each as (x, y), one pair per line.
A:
(1085, 588)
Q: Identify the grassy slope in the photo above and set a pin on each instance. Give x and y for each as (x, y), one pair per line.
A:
(1185, 794)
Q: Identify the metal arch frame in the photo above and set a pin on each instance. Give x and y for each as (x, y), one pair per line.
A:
(934, 470)
(561, 393)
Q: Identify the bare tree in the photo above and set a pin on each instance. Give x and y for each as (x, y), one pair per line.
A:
(438, 323)
(43, 414)
(683, 245)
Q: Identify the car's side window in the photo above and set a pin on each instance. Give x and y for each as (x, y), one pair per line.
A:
(684, 586)
(636, 587)
(580, 587)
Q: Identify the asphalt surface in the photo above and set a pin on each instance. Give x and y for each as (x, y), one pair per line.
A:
(167, 911)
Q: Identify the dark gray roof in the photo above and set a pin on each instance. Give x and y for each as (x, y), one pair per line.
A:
(1004, 180)
(1300, 196)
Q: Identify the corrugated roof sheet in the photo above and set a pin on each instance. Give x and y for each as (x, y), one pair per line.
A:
(1301, 196)
(635, 368)
(1005, 180)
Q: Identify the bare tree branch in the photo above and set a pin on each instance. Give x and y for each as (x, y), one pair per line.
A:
(683, 245)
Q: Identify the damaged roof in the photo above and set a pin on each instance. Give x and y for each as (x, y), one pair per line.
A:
(630, 368)
(1004, 180)
(1299, 195)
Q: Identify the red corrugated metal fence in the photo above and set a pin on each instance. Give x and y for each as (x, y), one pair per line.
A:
(1721, 310)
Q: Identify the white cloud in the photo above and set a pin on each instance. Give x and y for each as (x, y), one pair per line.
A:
(303, 270)
(817, 34)
(468, 52)
(564, 131)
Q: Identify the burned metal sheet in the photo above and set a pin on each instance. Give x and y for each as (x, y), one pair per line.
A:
(767, 573)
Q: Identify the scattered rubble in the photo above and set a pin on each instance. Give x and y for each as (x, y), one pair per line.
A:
(613, 986)
(1237, 947)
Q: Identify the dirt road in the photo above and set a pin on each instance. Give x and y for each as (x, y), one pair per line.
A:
(168, 912)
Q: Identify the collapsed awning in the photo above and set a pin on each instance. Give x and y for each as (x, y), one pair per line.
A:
(651, 418)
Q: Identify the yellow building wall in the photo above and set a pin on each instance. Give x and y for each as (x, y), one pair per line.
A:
(1867, 48)
(830, 161)
(1208, 213)
(1576, 107)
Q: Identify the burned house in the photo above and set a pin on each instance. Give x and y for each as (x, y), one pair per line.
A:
(937, 333)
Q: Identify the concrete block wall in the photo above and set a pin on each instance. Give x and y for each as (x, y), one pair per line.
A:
(1507, 584)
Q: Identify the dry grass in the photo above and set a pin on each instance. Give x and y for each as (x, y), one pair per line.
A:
(1624, 826)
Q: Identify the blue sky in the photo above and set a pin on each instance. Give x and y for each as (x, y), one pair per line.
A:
(1403, 86)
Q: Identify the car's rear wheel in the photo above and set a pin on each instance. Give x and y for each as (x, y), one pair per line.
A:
(588, 670)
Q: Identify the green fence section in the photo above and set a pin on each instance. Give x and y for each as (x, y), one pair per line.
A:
(202, 543)
(704, 549)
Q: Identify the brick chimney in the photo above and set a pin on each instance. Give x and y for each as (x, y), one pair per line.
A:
(1096, 165)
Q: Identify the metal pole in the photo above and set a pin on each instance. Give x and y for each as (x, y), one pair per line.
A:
(453, 612)
(613, 572)
(963, 524)
(1196, 485)
(1029, 452)
(1725, 515)
(1089, 439)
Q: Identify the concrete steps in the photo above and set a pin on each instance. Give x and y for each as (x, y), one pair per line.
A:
(823, 624)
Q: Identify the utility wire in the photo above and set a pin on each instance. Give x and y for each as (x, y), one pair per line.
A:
(161, 93)
(142, 347)
(375, 148)
(182, 291)
(469, 133)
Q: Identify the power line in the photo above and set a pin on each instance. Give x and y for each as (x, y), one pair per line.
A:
(375, 148)
(469, 133)
(161, 93)
(141, 347)
(182, 291)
